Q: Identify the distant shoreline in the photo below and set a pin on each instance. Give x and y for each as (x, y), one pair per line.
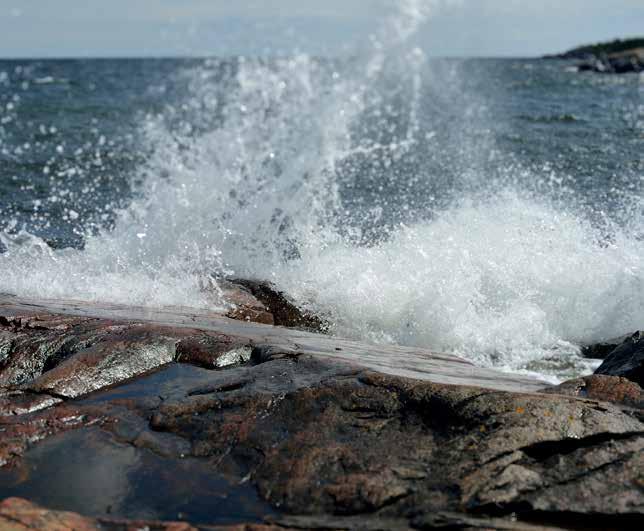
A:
(614, 57)
(589, 51)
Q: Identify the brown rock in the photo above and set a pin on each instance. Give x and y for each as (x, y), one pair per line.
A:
(118, 356)
(212, 351)
(246, 307)
(294, 433)
(284, 312)
(20, 431)
(319, 449)
(110, 322)
(601, 387)
(13, 402)
(310, 435)
(36, 344)
(70, 357)
(18, 515)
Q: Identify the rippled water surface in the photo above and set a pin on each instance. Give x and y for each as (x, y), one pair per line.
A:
(490, 208)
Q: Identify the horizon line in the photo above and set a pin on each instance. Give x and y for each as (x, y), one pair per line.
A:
(234, 56)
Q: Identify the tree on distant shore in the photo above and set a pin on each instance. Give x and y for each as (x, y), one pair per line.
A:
(618, 45)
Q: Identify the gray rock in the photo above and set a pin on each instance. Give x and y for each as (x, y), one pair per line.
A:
(600, 350)
(627, 360)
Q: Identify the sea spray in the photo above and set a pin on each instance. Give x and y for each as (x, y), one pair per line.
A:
(237, 190)
(508, 282)
(374, 191)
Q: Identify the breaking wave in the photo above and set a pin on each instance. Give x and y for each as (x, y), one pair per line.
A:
(371, 197)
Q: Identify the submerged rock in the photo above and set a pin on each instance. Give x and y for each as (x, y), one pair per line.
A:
(627, 360)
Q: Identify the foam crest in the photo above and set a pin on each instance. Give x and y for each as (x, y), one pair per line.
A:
(508, 282)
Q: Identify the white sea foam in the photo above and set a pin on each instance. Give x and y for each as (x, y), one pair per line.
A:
(508, 281)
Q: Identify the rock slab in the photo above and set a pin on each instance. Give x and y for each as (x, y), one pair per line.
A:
(206, 423)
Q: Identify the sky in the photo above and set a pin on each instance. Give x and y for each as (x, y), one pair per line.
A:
(123, 28)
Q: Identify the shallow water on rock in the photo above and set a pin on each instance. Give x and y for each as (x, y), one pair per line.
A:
(170, 380)
(88, 472)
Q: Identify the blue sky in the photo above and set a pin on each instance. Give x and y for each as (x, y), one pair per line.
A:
(64, 28)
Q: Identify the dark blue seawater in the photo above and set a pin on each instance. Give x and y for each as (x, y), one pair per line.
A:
(69, 139)
(70, 136)
(486, 207)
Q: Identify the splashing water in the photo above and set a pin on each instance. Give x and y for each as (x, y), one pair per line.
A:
(508, 282)
(371, 190)
(243, 193)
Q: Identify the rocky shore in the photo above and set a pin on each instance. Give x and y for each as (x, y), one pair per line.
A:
(616, 63)
(616, 57)
(126, 418)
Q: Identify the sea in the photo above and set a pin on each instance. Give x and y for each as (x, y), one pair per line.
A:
(490, 208)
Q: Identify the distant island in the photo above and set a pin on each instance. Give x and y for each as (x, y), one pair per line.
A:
(603, 48)
(614, 57)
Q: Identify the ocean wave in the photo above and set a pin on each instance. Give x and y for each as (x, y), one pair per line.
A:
(508, 282)
(313, 174)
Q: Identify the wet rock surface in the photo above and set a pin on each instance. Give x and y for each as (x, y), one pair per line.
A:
(17, 514)
(605, 388)
(282, 310)
(599, 351)
(261, 302)
(245, 306)
(192, 427)
(627, 360)
(200, 337)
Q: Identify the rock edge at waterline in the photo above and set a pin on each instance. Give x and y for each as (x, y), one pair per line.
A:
(241, 424)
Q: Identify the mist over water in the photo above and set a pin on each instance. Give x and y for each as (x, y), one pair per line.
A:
(405, 200)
